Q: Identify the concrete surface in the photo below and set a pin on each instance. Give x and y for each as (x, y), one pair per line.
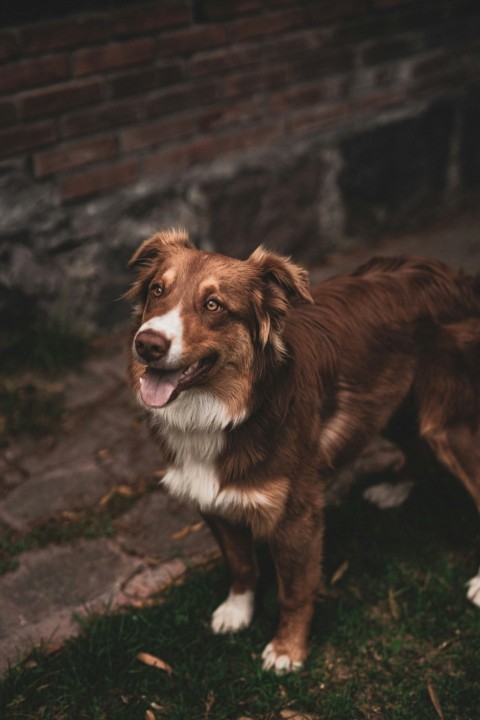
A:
(104, 445)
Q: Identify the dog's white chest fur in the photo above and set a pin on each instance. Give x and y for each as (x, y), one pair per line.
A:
(194, 428)
(194, 477)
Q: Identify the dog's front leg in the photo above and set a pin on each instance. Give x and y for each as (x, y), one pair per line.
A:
(296, 548)
(236, 543)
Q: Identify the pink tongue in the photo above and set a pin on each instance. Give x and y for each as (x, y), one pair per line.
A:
(156, 386)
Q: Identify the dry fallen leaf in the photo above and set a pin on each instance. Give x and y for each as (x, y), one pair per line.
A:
(209, 702)
(339, 572)
(290, 714)
(435, 701)
(155, 662)
(149, 715)
(187, 530)
(104, 455)
(71, 514)
(393, 605)
(124, 490)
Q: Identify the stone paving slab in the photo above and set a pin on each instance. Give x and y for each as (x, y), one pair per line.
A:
(64, 488)
(54, 583)
(159, 527)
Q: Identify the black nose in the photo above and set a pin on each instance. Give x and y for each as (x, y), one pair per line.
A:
(151, 345)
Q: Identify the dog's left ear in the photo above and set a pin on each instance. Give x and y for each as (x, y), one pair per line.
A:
(281, 272)
(283, 284)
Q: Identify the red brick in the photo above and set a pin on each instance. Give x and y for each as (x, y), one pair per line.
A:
(149, 78)
(8, 46)
(432, 64)
(391, 3)
(61, 97)
(185, 42)
(298, 43)
(8, 112)
(434, 78)
(323, 63)
(21, 138)
(248, 83)
(281, 3)
(99, 179)
(179, 157)
(312, 120)
(219, 9)
(115, 55)
(181, 98)
(266, 24)
(326, 11)
(235, 57)
(148, 18)
(297, 96)
(45, 37)
(230, 114)
(155, 133)
(70, 155)
(132, 83)
(104, 117)
(31, 73)
(374, 102)
(244, 138)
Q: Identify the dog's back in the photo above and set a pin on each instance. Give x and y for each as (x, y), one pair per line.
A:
(402, 288)
(397, 330)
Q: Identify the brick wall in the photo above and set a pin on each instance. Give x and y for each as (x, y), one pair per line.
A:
(99, 100)
(310, 125)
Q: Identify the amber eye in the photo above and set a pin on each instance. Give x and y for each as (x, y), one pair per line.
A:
(157, 289)
(213, 306)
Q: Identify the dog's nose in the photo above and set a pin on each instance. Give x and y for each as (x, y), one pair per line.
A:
(151, 345)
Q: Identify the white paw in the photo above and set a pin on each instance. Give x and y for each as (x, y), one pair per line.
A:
(473, 593)
(385, 495)
(235, 613)
(281, 664)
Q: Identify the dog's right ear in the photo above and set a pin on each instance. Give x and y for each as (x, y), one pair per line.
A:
(145, 259)
(153, 248)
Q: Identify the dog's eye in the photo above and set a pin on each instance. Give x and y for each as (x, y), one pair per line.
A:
(157, 289)
(213, 306)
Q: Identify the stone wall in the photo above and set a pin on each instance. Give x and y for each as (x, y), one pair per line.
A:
(309, 125)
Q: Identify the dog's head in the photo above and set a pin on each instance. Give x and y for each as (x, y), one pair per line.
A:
(207, 322)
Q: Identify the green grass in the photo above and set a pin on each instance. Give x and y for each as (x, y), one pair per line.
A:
(393, 633)
(31, 402)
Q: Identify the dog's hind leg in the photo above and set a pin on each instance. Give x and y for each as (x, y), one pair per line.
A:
(236, 543)
(458, 448)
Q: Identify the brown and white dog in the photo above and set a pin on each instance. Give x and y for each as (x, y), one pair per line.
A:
(259, 390)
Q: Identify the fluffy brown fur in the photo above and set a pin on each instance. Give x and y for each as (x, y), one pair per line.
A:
(304, 381)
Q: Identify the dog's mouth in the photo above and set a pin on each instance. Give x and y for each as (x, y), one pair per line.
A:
(159, 387)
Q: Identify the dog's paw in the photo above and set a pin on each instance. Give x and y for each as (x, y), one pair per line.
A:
(280, 663)
(235, 613)
(473, 593)
(387, 495)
